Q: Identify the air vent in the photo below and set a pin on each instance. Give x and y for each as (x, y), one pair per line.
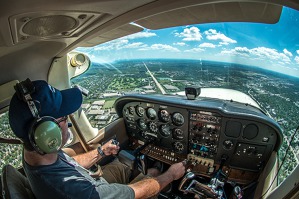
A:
(48, 26)
(51, 25)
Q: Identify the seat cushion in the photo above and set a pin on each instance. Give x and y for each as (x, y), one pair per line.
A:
(14, 184)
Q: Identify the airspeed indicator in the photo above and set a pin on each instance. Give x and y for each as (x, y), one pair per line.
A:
(140, 111)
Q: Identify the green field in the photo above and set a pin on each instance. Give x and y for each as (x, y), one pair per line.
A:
(108, 104)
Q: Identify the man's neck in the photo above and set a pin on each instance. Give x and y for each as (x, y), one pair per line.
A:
(34, 159)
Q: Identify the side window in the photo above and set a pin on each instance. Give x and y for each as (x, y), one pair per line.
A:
(98, 105)
(9, 153)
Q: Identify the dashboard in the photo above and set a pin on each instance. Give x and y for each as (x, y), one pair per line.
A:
(207, 132)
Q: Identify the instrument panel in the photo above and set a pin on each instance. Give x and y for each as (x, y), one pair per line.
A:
(204, 132)
(159, 124)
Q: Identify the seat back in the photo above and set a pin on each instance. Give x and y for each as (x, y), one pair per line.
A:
(14, 184)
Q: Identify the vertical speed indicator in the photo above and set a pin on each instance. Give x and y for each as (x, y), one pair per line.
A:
(178, 119)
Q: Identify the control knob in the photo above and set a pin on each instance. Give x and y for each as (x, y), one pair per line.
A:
(178, 146)
(228, 144)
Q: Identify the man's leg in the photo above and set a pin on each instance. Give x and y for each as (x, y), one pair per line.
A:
(116, 172)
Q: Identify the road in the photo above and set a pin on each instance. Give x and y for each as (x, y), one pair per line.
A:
(155, 80)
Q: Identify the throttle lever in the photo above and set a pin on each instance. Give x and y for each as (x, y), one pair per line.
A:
(187, 177)
(196, 187)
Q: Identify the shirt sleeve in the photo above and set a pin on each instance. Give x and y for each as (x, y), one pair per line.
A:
(112, 191)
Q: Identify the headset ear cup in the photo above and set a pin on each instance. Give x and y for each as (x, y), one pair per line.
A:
(46, 135)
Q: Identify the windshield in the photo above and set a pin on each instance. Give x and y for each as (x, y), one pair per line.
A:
(260, 60)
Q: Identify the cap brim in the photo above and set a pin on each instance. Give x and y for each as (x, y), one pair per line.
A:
(71, 101)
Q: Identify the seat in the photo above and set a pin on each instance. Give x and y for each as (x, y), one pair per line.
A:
(14, 184)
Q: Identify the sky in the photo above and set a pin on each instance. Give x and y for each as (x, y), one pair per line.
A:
(270, 46)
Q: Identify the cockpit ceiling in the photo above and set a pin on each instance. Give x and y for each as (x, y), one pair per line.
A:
(186, 13)
(217, 12)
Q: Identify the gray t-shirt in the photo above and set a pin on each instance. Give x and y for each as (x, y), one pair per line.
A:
(66, 179)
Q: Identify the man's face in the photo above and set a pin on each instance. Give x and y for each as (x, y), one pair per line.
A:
(63, 124)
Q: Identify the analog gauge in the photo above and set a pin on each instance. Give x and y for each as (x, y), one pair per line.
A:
(131, 110)
(178, 119)
(178, 134)
(140, 111)
(178, 146)
(126, 112)
(164, 116)
(151, 113)
(153, 127)
(165, 130)
(228, 144)
(142, 125)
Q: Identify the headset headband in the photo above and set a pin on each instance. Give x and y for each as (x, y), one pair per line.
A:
(24, 90)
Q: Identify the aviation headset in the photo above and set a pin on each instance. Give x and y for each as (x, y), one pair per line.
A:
(45, 134)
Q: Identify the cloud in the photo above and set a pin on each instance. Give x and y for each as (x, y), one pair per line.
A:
(261, 53)
(297, 59)
(179, 44)
(190, 34)
(297, 52)
(135, 45)
(288, 53)
(162, 47)
(195, 50)
(120, 44)
(140, 35)
(207, 45)
(212, 34)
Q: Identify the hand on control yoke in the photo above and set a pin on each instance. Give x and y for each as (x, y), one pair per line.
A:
(111, 147)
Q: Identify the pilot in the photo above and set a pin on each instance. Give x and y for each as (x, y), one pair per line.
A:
(38, 116)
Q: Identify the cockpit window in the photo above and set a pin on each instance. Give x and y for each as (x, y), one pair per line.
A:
(10, 153)
(260, 60)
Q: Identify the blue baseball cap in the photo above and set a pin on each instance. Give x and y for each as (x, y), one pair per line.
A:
(48, 100)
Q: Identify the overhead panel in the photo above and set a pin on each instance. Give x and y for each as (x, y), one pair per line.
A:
(217, 12)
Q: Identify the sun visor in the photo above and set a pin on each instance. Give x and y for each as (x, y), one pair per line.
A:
(7, 90)
(216, 12)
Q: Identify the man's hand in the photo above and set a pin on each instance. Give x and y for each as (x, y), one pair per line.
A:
(176, 170)
(110, 148)
(149, 187)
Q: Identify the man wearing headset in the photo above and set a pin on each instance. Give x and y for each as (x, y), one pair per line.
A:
(37, 115)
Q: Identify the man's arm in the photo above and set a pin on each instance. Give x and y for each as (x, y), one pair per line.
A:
(152, 186)
(89, 158)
